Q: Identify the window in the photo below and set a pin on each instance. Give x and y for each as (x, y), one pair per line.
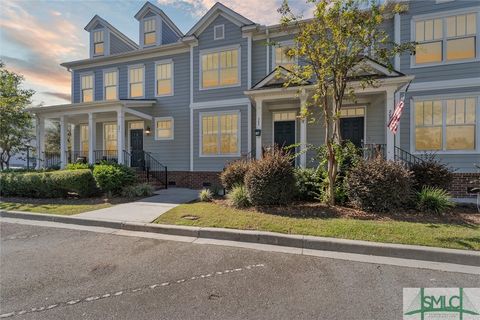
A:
(450, 38)
(164, 128)
(110, 85)
(220, 134)
(352, 112)
(220, 69)
(284, 116)
(282, 59)
(84, 139)
(445, 125)
(87, 87)
(164, 78)
(135, 82)
(98, 43)
(149, 33)
(219, 32)
(110, 137)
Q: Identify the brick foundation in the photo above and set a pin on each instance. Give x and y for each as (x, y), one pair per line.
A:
(462, 182)
(195, 180)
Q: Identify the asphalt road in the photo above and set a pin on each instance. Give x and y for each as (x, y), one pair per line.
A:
(72, 274)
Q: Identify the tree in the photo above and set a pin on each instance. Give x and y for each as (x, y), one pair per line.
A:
(15, 122)
(330, 47)
(52, 138)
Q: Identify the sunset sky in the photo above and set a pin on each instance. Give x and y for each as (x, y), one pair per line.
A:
(36, 36)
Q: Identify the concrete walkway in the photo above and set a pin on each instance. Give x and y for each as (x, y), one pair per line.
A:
(145, 210)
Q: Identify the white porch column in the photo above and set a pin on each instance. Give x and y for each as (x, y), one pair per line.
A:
(390, 138)
(120, 134)
(91, 138)
(258, 127)
(72, 141)
(63, 142)
(303, 132)
(40, 141)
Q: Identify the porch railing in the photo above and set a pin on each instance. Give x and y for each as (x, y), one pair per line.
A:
(51, 160)
(77, 156)
(406, 157)
(105, 156)
(149, 168)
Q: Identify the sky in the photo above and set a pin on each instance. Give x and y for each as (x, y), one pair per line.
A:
(36, 36)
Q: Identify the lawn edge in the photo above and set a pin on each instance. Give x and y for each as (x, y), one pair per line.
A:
(415, 252)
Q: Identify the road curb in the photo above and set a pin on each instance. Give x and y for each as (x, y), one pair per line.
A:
(462, 257)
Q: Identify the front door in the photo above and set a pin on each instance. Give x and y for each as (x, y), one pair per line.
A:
(136, 147)
(352, 129)
(284, 134)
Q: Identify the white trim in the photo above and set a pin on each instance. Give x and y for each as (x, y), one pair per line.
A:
(103, 84)
(218, 50)
(161, 62)
(112, 29)
(443, 98)
(397, 38)
(103, 134)
(155, 128)
(215, 37)
(294, 120)
(80, 125)
(158, 32)
(249, 61)
(239, 133)
(149, 6)
(364, 116)
(83, 74)
(103, 31)
(136, 66)
(129, 122)
(445, 84)
(220, 103)
(191, 139)
(249, 127)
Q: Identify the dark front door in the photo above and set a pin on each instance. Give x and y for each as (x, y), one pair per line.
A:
(284, 134)
(352, 129)
(136, 147)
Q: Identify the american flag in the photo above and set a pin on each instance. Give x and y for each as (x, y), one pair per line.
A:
(397, 114)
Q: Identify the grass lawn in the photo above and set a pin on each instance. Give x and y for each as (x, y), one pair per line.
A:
(456, 230)
(58, 206)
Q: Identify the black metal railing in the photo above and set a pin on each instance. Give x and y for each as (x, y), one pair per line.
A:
(148, 168)
(51, 160)
(105, 156)
(372, 151)
(406, 157)
(77, 156)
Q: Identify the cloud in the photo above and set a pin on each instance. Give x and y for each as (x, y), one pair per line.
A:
(63, 96)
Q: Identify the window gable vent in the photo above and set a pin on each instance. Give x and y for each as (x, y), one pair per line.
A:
(219, 32)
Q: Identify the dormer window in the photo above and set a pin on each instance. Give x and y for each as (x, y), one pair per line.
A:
(98, 43)
(149, 32)
(219, 32)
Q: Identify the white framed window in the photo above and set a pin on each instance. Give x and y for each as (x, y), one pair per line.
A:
(136, 77)
(149, 32)
(284, 116)
(86, 87)
(352, 112)
(110, 84)
(164, 128)
(220, 134)
(220, 68)
(449, 38)
(98, 43)
(219, 32)
(84, 139)
(164, 78)
(110, 137)
(446, 124)
(281, 58)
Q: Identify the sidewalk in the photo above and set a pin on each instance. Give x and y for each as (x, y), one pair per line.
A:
(144, 210)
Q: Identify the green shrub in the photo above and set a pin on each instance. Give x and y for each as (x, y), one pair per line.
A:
(206, 195)
(434, 200)
(78, 165)
(111, 178)
(54, 184)
(309, 183)
(138, 190)
(379, 185)
(270, 180)
(238, 197)
(234, 174)
(431, 173)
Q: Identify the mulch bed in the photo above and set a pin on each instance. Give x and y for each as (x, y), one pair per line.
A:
(464, 214)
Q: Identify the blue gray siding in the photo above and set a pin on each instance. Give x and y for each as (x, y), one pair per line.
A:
(168, 35)
(117, 45)
(259, 60)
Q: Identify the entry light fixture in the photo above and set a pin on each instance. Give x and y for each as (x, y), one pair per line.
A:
(147, 131)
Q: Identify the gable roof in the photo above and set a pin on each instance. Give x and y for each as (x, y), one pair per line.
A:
(148, 6)
(274, 79)
(218, 9)
(97, 19)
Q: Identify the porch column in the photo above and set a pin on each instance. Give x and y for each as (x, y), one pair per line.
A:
(91, 138)
(120, 135)
(390, 138)
(258, 127)
(40, 141)
(72, 141)
(303, 132)
(63, 142)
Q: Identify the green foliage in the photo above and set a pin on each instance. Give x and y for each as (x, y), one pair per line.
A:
(238, 197)
(271, 180)
(234, 174)
(77, 166)
(432, 173)
(15, 122)
(206, 195)
(111, 178)
(309, 183)
(379, 185)
(52, 137)
(434, 200)
(138, 190)
(55, 184)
